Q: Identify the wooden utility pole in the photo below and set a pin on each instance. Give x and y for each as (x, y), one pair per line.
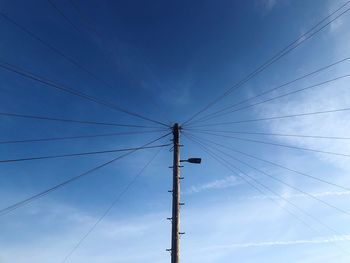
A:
(175, 242)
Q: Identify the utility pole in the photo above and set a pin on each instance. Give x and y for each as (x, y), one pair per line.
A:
(175, 242)
(175, 219)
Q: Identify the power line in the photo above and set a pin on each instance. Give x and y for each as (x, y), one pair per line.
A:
(273, 118)
(75, 5)
(27, 116)
(273, 134)
(230, 165)
(286, 184)
(279, 145)
(225, 163)
(77, 137)
(42, 80)
(80, 154)
(63, 15)
(86, 22)
(52, 48)
(281, 96)
(32, 198)
(303, 211)
(71, 60)
(214, 114)
(301, 39)
(106, 212)
(74, 25)
(81, 16)
(274, 163)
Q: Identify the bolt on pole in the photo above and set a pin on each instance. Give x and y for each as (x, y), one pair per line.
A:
(175, 242)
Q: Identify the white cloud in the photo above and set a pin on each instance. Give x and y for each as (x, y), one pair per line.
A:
(320, 194)
(115, 237)
(337, 24)
(269, 4)
(176, 93)
(327, 97)
(145, 236)
(226, 182)
(323, 240)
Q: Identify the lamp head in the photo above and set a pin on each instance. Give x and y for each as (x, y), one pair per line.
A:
(194, 160)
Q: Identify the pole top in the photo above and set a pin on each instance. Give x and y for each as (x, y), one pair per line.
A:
(176, 128)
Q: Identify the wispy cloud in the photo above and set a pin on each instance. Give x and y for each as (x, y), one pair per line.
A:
(335, 25)
(177, 93)
(226, 182)
(125, 234)
(320, 194)
(320, 99)
(322, 240)
(267, 5)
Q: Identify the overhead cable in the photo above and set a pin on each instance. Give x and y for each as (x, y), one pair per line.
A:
(79, 154)
(37, 117)
(274, 117)
(74, 62)
(101, 135)
(110, 207)
(301, 39)
(279, 145)
(34, 197)
(216, 113)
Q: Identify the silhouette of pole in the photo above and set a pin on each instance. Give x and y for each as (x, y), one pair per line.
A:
(175, 233)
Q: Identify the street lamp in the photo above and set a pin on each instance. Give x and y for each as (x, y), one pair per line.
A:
(192, 160)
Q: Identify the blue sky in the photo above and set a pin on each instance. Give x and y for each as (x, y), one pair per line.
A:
(166, 60)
